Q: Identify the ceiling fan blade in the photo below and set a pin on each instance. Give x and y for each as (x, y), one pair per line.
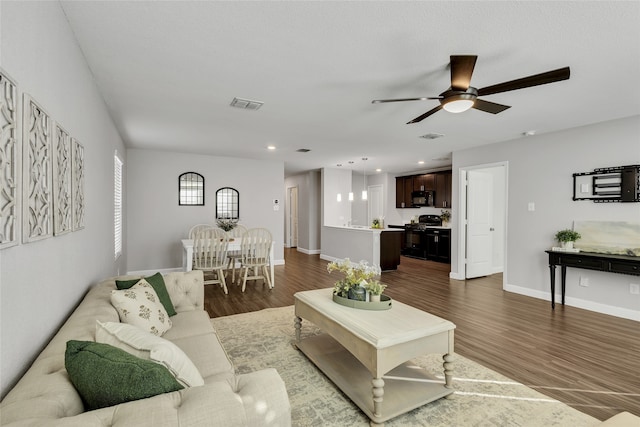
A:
(461, 71)
(489, 107)
(425, 115)
(535, 80)
(381, 101)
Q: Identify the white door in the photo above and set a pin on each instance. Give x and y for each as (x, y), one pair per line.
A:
(479, 216)
(375, 207)
(293, 217)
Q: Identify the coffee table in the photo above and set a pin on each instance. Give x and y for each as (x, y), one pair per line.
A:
(366, 353)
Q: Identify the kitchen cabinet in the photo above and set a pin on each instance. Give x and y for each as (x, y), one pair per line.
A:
(404, 187)
(443, 189)
(425, 182)
(438, 244)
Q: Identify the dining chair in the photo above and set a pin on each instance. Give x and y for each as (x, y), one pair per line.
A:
(193, 230)
(234, 256)
(254, 249)
(210, 254)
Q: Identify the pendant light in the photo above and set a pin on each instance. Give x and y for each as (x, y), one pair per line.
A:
(364, 173)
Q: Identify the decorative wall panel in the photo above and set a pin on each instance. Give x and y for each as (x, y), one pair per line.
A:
(9, 161)
(77, 185)
(61, 181)
(37, 200)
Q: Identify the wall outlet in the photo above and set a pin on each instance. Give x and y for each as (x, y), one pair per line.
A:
(584, 281)
(634, 288)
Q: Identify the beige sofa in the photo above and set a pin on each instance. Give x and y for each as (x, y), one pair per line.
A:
(45, 396)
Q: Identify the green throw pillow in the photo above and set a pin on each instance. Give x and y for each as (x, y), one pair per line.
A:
(105, 375)
(157, 282)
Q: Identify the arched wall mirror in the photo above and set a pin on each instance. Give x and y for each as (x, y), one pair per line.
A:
(227, 203)
(191, 189)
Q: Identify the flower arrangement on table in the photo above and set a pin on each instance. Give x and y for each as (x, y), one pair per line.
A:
(357, 275)
(227, 224)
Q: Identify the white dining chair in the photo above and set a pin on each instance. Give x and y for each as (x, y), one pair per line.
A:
(193, 230)
(234, 256)
(255, 248)
(210, 254)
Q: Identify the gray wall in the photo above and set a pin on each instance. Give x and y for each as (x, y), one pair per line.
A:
(155, 221)
(540, 170)
(42, 281)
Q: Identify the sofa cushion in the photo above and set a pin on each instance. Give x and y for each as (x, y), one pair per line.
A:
(106, 376)
(140, 306)
(157, 281)
(147, 346)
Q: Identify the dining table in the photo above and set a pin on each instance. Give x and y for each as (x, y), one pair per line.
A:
(234, 245)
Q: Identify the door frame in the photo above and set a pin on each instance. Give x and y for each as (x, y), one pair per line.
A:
(287, 229)
(461, 221)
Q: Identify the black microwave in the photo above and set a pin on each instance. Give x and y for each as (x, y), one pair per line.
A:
(422, 198)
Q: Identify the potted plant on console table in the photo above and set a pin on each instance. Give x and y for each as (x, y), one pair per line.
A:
(567, 237)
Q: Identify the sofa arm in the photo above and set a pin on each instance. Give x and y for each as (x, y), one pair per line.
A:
(186, 290)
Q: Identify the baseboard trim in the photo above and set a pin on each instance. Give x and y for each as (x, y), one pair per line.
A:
(576, 302)
(309, 251)
(456, 276)
(328, 258)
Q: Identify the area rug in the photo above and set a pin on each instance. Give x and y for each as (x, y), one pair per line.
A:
(482, 397)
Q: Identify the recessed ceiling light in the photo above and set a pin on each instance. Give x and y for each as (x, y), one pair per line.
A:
(378, 170)
(246, 104)
(421, 162)
(529, 133)
(271, 147)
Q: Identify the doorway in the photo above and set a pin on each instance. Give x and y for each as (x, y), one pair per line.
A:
(375, 207)
(293, 218)
(483, 220)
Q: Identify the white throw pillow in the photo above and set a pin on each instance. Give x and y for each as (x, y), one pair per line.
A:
(147, 346)
(140, 306)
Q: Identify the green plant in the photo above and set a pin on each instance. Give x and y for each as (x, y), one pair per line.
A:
(567, 235)
(375, 287)
(445, 215)
(356, 274)
(227, 224)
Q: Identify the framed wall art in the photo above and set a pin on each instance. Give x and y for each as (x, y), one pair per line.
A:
(37, 196)
(61, 181)
(9, 163)
(77, 183)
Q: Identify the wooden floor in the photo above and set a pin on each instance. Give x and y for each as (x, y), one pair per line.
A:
(588, 360)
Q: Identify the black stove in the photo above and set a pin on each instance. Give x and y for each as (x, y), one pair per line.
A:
(424, 222)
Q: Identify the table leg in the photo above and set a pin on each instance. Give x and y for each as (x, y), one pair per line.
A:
(297, 323)
(552, 270)
(378, 392)
(563, 270)
(448, 372)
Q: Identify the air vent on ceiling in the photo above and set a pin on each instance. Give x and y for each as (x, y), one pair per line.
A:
(431, 135)
(247, 104)
(303, 150)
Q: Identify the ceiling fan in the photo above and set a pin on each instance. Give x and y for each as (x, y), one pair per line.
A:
(461, 96)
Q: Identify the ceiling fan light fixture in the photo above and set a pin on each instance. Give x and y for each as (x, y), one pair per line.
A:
(458, 103)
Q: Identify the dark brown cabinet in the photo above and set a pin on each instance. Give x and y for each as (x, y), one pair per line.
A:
(438, 245)
(426, 182)
(404, 187)
(443, 190)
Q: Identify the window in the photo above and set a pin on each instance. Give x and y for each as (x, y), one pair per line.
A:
(227, 203)
(191, 189)
(117, 205)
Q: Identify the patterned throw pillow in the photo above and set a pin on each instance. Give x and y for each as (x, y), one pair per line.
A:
(141, 307)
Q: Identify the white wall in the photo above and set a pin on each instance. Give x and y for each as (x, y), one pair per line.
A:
(336, 181)
(540, 171)
(41, 282)
(155, 221)
(308, 184)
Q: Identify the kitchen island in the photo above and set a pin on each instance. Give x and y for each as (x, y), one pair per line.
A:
(376, 246)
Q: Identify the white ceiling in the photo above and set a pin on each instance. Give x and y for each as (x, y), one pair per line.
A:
(169, 70)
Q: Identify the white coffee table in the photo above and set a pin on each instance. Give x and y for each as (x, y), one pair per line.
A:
(364, 352)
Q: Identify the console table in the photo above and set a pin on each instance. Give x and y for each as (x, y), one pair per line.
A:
(621, 264)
